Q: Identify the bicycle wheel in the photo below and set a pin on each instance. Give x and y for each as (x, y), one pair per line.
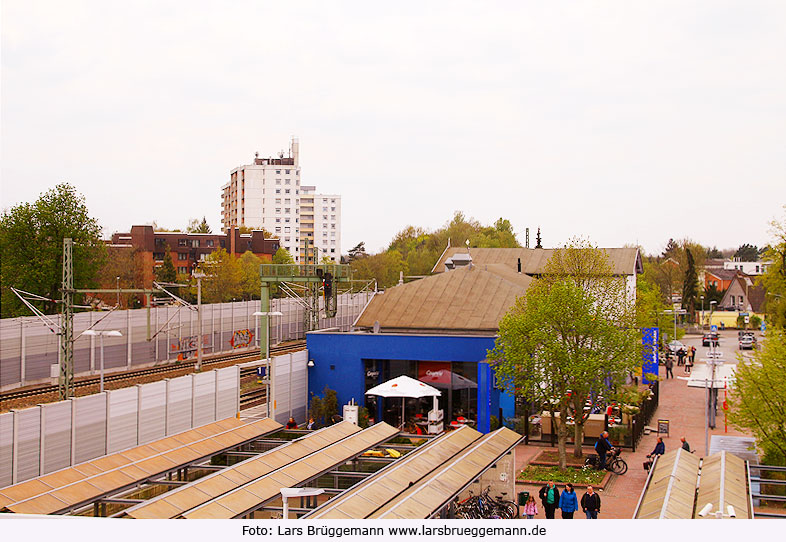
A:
(618, 466)
(511, 509)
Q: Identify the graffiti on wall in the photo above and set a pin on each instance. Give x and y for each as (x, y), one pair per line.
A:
(186, 347)
(242, 338)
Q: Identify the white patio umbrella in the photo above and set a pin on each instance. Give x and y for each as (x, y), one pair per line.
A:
(404, 387)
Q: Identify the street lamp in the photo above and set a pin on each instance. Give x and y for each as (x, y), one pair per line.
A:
(199, 275)
(101, 334)
(702, 312)
(675, 312)
(270, 383)
(712, 308)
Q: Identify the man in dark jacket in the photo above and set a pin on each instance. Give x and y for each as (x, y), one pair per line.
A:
(603, 446)
(590, 503)
(549, 496)
(660, 449)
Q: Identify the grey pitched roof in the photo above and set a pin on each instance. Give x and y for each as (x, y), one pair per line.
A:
(624, 261)
(468, 299)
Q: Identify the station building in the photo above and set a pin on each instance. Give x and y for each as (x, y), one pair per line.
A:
(439, 330)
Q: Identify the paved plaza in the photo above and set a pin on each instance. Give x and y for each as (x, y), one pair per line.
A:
(682, 406)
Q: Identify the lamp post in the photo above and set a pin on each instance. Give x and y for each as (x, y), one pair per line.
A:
(712, 308)
(270, 383)
(702, 312)
(101, 334)
(199, 276)
(117, 282)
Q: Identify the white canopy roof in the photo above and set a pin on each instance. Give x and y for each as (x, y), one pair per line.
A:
(404, 386)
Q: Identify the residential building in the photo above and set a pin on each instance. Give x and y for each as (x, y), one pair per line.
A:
(268, 194)
(743, 295)
(749, 268)
(187, 249)
(323, 213)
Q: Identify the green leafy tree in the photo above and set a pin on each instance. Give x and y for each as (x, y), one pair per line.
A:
(570, 338)
(250, 282)
(196, 226)
(358, 251)
(774, 279)
(747, 253)
(31, 248)
(714, 253)
(690, 286)
(166, 272)
(758, 399)
(282, 257)
(223, 280)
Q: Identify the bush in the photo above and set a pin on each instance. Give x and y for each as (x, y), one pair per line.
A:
(584, 475)
(755, 322)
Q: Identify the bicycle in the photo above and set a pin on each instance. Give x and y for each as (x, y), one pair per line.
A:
(484, 507)
(614, 463)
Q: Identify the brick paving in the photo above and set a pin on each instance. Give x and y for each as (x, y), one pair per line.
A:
(682, 406)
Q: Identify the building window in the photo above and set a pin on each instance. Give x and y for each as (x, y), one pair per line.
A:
(286, 239)
(278, 190)
(182, 242)
(278, 210)
(223, 243)
(286, 191)
(287, 210)
(287, 201)
(278, 172)
(287, 171)
(278, 229)
(278, 220)
(158, 256)
(278, 181)
(286, 230)
(333, 226)
(210, 242)
(333, 250)
(182, 256)
(332, 217)
(324, 209)
(332, 208)
(324, 234)
(332, 201)
(287, 181)
(324, 226)
(297, 191)
(324, 217)
(278, 201)
(183, 270)
(286, 220)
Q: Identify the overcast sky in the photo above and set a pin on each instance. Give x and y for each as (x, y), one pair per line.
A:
(624, 122)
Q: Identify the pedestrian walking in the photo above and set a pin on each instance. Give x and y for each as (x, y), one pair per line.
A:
(680, 357)
(549, 497)
(590, 503)
(685, 445)
(692, 355)
(568, 503)
(531, 508)
(669, 367)
(688, 365)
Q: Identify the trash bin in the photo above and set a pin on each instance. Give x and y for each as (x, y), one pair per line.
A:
(523, 497)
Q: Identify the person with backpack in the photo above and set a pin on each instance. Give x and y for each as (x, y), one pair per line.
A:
(568, 502)
(549, 496)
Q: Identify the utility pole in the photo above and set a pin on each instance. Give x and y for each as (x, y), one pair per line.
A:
(66, 380)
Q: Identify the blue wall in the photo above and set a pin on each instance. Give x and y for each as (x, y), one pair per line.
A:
(338, 360)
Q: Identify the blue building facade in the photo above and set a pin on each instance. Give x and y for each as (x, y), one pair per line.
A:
(352, 363)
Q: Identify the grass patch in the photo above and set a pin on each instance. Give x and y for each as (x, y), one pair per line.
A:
(572, 475)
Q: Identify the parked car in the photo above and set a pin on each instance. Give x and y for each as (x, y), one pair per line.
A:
(676, 345)
(747, 342)
(710, 338)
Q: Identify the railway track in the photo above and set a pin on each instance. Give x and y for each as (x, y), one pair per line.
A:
(183, 367)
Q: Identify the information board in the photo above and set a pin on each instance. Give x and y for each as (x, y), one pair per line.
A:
(663, 427)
